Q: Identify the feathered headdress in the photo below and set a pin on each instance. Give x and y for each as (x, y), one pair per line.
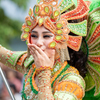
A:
(55, 17)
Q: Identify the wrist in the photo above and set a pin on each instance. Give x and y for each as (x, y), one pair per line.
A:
(44, 74)
(44, 78)
(43, 69)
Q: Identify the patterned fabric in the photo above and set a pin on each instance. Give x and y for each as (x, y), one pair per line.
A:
(61, 81)
(65, 79)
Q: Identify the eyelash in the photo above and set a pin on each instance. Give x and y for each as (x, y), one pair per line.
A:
(34, 36)
(45, 36)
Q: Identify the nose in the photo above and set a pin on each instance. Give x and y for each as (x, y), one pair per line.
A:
(39, 42)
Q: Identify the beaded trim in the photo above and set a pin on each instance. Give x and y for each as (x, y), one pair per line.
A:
(23, 94)
(61, 70)
(29, 82)
(78, 28)
(28, 61)
(76, 79)
(14, 56)
(68, 82)
(38, 70)
(78, 13)
(67, 72)
(21, 59)
(33, 84)
(65, 5)
(56, 67)
(56, 96)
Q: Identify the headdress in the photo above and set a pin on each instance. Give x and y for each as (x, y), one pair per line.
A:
(55, 18)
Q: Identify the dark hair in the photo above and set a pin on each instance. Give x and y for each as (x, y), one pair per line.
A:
(78, 59)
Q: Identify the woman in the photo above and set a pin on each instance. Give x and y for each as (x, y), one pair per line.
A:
(48, 76)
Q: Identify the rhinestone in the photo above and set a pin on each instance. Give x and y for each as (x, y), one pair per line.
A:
(54, 3)
(55, 69)
(41, 3)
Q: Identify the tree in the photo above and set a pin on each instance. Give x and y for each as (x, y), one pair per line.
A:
(10, 28)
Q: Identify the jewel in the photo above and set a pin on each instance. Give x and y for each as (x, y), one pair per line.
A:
(41, 21)
(30, 12)
(55, 69)
(56, 13)
(59, 25)
(29, 23)
(27, 29)
(54, 3)
(28, 79)
(25, 35)
(37, 9)
(59, 31)
(23, 26)
(52, 17)
(41, 3)
(58, 38)
(46, 9)
(52, 44)
(66, 30)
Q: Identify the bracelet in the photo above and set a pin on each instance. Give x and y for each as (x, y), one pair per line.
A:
(38, 70)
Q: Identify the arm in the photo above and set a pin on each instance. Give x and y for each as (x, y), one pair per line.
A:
(44, 76)
(14, 60)
(44, 86)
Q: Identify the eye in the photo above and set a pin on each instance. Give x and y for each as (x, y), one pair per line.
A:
(47, 36)
(35, 36)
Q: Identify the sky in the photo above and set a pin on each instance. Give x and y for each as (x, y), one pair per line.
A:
(13, 11)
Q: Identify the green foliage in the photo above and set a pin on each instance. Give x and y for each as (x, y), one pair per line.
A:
(10, 28)
(21, 3)
(94, 4)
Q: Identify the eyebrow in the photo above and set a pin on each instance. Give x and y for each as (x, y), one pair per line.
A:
(42, 32)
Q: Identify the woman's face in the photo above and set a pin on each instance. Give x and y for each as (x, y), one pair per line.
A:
(42, 37)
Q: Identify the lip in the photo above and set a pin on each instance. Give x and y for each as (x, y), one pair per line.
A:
(42, 49)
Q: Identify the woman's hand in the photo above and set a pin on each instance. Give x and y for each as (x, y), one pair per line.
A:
(40, 57)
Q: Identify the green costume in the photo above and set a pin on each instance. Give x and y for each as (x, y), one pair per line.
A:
(66, 83)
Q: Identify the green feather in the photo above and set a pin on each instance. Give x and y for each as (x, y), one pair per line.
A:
(95, 4)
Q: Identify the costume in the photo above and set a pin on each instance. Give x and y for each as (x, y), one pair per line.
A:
(66, 83)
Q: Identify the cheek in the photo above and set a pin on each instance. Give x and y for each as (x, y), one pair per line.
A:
(48, 52)
(33, 41)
